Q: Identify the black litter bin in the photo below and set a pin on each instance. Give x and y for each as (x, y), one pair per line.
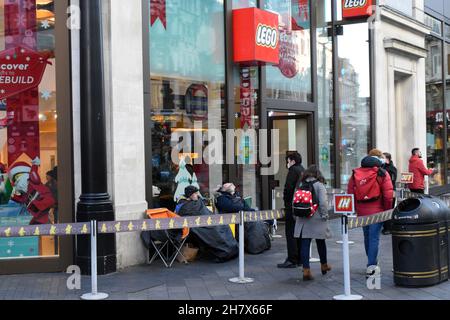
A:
(420, 242)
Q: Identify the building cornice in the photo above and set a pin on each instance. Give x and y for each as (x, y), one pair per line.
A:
(408, 23)
(405, 48)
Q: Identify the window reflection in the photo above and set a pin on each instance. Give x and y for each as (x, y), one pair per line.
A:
(354, 97)
(187, 86)
(28, 141)
(291, 79)
(435, 113)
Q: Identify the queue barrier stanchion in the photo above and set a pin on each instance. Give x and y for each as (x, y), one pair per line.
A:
(94, 295)
(346, 257)
(275, 222)
(241, 279)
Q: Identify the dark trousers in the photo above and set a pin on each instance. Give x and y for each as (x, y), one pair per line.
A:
(420, 191)
(293, 244)
(321, 248)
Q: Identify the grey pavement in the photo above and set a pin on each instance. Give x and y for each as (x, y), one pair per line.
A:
(204, 280)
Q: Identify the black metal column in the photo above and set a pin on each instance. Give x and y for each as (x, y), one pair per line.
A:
(95, 202)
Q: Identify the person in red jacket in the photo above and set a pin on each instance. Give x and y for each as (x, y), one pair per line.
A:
(418, 169)
(374, 193)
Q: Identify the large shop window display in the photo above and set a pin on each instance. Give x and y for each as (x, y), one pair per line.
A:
(291, 79)
(187, 66)
(28, 157)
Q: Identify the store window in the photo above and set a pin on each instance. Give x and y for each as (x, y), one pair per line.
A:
(187, 57)
(447, 107)
(325, 91)
(246, 95)
(434, 24)
(239, 4)
(435, 110)
(291, 79)
(28, 141)
(354, 97)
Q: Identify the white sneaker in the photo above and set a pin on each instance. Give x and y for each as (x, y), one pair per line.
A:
(373, 271)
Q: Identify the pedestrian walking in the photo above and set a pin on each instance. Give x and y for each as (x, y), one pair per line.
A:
(373, 190)
(392, 170)
(315, 226)
(418, 169)
(294, 164)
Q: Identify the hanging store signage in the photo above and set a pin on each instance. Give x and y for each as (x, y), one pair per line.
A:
(247, 101)
(158, 11)
(256, 37)
(20, 69)
(356, 8)
(289, 54)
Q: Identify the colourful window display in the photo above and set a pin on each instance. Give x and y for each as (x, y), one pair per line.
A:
(28, 143)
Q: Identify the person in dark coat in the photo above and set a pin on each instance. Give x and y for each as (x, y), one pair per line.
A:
(392, 170)
(217, 241)
(294, 164)
(257, 238)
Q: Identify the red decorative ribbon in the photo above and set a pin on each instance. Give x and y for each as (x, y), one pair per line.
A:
(158, 11)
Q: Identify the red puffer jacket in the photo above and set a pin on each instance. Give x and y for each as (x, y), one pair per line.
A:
(385, 202)
(419, 170)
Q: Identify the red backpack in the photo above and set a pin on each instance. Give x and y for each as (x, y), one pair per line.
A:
(367, 184)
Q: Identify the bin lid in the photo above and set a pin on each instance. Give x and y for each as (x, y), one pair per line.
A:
(421, 210)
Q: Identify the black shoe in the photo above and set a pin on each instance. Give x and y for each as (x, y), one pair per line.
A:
(287, 265)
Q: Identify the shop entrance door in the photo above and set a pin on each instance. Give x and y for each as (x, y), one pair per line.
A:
(296, 133)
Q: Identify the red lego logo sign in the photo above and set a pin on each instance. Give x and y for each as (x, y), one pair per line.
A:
(20, 69)
(256, 37)
(344, 204)
(356, 8)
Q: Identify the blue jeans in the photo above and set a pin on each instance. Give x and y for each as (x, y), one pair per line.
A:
(371, 242)
(321, 248)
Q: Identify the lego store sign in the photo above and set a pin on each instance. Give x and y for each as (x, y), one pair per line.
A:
(356, 8)
(256, 37)
(20, 69)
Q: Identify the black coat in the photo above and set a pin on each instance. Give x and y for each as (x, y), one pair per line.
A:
(228, 203)
(292, 181)
(193, 208)
(392, 170)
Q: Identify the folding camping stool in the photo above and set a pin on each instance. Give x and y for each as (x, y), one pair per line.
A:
(162, 241)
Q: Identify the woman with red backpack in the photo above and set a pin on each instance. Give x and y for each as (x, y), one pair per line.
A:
(374, 193)
(310, 208)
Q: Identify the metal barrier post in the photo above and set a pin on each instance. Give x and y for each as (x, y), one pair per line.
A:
(348, 292)
(275, 223)
(94, 295)
(241, 279)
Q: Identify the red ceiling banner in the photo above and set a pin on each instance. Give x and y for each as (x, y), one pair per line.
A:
(356, 8)
(21, 69)
(256, 37)
(158, 11)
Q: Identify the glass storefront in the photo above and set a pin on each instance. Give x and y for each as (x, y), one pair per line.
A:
(325, 91)
(354, 97)
(28, 130)
(187, 95)
(291, 79)
(188, 89)
(435, 114)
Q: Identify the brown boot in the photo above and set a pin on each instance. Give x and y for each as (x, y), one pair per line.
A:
(307, 275)
(325, 268)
